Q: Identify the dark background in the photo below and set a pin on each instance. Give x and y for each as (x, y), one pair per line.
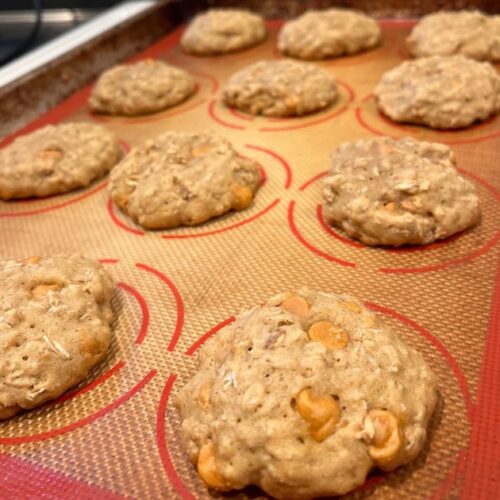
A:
(20, 33)
(57, 4)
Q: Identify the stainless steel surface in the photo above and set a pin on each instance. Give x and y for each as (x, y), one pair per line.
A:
(71, 40)
(15, 26)
(51, 16)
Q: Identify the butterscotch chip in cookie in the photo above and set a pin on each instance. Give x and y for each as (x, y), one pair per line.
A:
(280, 88)
(140, 88)
(443, 92)
(467, 32)
(55, 325)
(320, 34)
(183, 179)
(219, 31)
(56, 159)
(398, 191)
(277, 406)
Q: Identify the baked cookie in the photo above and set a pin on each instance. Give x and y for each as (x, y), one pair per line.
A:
(140, 88)
(280, 88)
(442, 92)
(302, 396)
(183, 179)
(56, 159)
(219, 31)
(469, 33)
(398, 191)
(320, 34)
(55, 317)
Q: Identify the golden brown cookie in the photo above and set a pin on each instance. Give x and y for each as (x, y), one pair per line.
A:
(303, 396)
(55, 326)
(56, 159)
(140, 88)
(183, 179)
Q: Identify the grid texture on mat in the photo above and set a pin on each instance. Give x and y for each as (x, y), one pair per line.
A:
(118, 432)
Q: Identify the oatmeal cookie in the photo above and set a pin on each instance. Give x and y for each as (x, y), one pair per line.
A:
(140, 88)
(55, 325)
(443, 92)
(303, 396)
(469, 33)
(56, 159)
(183, 179)
(320, 34)
(280, 88)
(398, 191)
(219, 31)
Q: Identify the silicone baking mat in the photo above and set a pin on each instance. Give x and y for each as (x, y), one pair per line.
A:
(117, 434)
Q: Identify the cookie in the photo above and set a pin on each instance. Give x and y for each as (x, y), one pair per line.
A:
(320, 34)
(469, 33)
(398, 191)
(219, 31)
(140, 88)
(55, 325)
(303, 396)
(183, 179)
(56, 159)
(443, 92)
(280, 88)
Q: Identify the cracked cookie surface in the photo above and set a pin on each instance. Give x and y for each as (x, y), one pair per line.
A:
(183, 179)
(55, 325)
(303, 396)
(219, 31)
(398, 191)
(140, 88)
(320, 34)
(443, 92)
(280, 88)
(56, 159)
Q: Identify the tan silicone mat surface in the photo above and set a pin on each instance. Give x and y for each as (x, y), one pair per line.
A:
(117, 434)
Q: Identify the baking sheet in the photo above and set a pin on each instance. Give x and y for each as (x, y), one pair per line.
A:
(117, 434)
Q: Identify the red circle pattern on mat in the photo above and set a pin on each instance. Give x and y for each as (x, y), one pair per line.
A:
(161, 436)
(275, 157)
(451, 137)
(54, 202)
(117, 368)
(237, 120)
(331, 231)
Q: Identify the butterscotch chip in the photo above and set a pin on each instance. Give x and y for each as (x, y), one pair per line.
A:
(293, 416)
(320, 34)
(442, 92)
(204, 395)
(280, 88)
(387, 441)
(207, 468)
(296, 305)
(140, 88)
(322, 413)
(35, 259)
(467, 32)
(56, 159)
(329, 334)
(183, 179)
(55, 317)
(243, 196)
(352, 306)
(43, 289)
(398, 191)
(219, 31)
